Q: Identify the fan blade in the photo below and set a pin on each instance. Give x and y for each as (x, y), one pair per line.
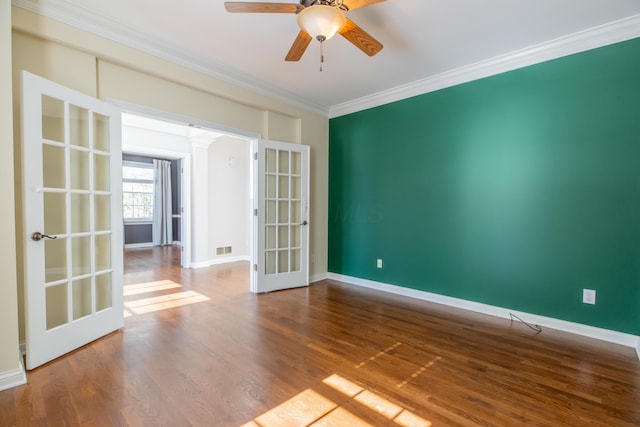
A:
(357, 4)
(299, 46)
(360, 38)
(261, 7)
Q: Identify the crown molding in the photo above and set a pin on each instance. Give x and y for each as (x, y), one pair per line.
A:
(75, 14)
(603, 35)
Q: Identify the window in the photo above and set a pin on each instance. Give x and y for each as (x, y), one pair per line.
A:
(137, 192)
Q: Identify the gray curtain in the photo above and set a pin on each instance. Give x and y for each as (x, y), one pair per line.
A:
(162, 213)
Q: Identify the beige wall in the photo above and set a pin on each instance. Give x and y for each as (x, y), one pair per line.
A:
(9, 353)
(108, 70)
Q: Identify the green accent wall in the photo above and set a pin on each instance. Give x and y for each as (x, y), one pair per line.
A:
(516, 190)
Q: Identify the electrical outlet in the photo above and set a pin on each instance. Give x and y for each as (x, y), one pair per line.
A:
(588, 296)
(379, 263)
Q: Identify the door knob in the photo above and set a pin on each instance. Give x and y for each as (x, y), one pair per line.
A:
(37, 236)
(304, 222)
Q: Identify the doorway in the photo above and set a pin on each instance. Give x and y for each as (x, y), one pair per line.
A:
(214, 170)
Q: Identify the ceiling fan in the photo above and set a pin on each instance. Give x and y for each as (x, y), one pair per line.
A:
(319, 19)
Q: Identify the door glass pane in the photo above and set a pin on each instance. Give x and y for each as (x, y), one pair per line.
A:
(270, 192)
(103, 252)
(100, 132)
(295, 260)
(295, 236)
(296, 187)
(270, 238)
(81, 292)
(270, 162)
(78, 126)
(283, 261)
(101, 176)
(102, 210)
(56, 305)
(53, 167)
(283, 237)
(295, 212)
(103, 291)
(81, 255)
(79, 165)
(283, 212)
(270, 216)
(55, 213)
(296, 163)
(80, 213)
(55, 259)
(283, 161)
(270, 264)
(52, 119)
(283, 187)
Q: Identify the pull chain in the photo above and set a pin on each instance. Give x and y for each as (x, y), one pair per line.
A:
(321, 55)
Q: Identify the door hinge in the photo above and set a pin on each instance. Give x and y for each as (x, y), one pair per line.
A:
(255, 267)
(255, 212)
(255, 156)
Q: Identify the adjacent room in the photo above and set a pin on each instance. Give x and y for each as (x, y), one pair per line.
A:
(320, 213)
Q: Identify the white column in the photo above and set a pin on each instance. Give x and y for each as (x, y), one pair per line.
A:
(200, 200)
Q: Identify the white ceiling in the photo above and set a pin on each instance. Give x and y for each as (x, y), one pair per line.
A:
(421, 38)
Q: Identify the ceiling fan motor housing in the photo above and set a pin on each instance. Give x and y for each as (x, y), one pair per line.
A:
(333, 3)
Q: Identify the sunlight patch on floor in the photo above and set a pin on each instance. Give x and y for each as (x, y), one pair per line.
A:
(380, 353)
(311, 409)
(376, 403)
(161, 302)
(143, 288)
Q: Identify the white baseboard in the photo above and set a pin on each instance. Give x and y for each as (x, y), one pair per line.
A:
(217, 261)
(13, 378)
(138, 245)
(317, 278)
(621, 338)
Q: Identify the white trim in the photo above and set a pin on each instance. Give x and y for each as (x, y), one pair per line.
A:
(318, 277)
(23, 348)
(621, 338)
(13, 378)
(218, 261)
(603, 35)
(167, 116)
(80, 16)
(138, 245)
(638, 349)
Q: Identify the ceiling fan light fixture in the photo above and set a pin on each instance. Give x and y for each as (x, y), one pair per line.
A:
(321, 21)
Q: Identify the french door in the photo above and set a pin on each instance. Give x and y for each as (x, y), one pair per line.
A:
(281, 195)
(72, 218)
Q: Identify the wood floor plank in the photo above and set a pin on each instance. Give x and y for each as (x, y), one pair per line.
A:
(231, 358)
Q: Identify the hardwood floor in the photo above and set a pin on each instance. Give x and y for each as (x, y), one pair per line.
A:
(198, 349)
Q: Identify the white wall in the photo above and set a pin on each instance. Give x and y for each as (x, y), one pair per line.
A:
(229, 202)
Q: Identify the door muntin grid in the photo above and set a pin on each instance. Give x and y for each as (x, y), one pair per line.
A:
(283, 211)
(77, 210)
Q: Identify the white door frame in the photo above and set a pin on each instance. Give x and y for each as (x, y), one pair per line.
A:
(252, 137)
(70, 331)
(261, 280)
